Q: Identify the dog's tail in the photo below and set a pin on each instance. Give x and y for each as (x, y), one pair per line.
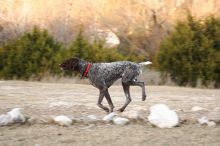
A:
(145, 63)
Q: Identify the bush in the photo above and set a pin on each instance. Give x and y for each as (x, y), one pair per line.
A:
(92, 51)
(33, 54)
(36, 54)
(192, 52)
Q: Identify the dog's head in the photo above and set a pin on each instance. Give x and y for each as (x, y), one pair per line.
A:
(70, 64)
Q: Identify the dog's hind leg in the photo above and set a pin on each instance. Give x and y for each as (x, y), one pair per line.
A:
(126, 88)
(101, 96)
(142, 85)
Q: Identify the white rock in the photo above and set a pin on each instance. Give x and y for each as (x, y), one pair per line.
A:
(197, 108)
(161, 116)
(5, 120)
(62, 120)
(120, 121)
(132, 114)
(203, 120)
(14, 116)
(109, 117)
(91, 118)
(211, 124)
(60, 103)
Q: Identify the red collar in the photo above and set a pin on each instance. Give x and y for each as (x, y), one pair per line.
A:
(86, 71)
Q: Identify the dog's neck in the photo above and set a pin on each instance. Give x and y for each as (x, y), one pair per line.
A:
(82, 67)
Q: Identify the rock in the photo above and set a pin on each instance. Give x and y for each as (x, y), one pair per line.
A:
(32, 120)
(211, 124)
(120, 121)
(60, 103)
(162, 117)
(45, 119)
(109, 117)
(215, 115)
(91, 118)
(132, 114)
(113, 117)
(197, 108)
(5, 120)
(14, 116)
(203, 120)
(62, 120)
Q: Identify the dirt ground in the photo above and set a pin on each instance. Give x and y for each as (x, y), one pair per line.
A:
(36, 99)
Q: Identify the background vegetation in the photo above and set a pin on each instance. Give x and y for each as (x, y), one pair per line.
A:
(191, 53)
(33, 54)
(37, 54)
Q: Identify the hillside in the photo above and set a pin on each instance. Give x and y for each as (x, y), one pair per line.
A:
(63, 17)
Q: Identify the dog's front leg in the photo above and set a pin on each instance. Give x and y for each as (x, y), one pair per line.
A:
(108, 98)
(101, 96)
(126, 88)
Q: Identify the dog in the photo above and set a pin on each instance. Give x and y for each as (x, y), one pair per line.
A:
(103, 75)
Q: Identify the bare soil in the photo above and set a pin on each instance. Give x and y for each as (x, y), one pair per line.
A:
(36, 98)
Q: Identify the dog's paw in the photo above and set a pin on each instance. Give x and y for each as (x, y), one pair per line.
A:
(144, 97)
(106, 109)
(120, 110)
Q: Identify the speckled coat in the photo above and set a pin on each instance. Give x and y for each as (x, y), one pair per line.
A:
(103, 75)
